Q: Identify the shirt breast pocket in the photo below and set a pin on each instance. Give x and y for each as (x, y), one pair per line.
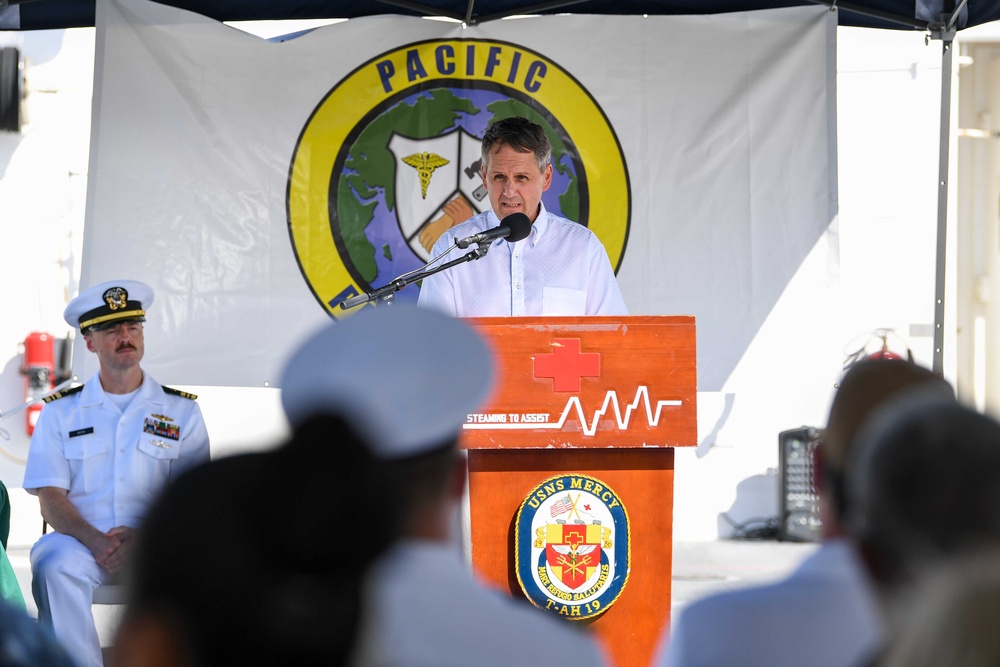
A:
(159, 448)
(563, 301)
(152, 464)
(88, 466)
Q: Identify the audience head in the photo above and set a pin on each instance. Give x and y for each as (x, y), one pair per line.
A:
(251, 559)
(406, 378)
(926, 487)
(260, 558)
(865, 387)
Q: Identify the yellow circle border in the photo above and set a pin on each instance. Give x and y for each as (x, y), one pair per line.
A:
(335, 118)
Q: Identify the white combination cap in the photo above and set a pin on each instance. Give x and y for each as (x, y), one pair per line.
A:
(108, 303)
(404, 378)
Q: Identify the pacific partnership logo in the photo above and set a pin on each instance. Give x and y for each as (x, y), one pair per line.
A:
(390, 159)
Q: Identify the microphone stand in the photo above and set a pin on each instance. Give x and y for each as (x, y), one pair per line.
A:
(385, 295)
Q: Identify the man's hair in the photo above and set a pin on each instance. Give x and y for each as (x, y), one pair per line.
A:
(520, 134)
(867, 385)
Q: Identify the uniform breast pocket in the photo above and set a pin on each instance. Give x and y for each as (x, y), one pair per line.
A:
(152, 465)
(88, 465)
(159, 448)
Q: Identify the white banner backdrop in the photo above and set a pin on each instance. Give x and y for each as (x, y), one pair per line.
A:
(255, 184)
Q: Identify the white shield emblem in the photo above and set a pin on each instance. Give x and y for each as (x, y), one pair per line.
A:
(431, 173)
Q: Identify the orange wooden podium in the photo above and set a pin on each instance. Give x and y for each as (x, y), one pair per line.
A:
(587, 404)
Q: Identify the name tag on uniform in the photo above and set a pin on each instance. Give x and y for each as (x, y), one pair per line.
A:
(82, 431)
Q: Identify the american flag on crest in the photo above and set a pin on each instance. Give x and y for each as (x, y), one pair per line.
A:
(561, 506)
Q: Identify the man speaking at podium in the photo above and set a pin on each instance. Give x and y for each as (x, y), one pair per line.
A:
(560, 268)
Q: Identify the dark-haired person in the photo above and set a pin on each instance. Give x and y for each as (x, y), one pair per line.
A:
(561, 268)
(99, 455)
(266, 560)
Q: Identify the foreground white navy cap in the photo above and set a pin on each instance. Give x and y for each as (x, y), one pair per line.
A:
(109, 302)
(403, 377)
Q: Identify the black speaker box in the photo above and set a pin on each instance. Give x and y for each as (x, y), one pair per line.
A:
(799, 504)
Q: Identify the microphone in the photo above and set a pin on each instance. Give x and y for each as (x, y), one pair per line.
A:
(515, 227)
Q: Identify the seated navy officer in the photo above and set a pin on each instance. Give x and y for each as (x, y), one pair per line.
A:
(99, 455)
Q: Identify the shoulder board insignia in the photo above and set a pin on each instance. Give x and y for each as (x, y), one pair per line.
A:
(62, 394)
(178, 392)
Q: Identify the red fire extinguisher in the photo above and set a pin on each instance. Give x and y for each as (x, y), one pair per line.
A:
(39, 370)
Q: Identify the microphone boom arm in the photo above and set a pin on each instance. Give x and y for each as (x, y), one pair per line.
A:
(385, 293)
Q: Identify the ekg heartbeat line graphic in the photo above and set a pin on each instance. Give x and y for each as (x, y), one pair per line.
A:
(610, 403)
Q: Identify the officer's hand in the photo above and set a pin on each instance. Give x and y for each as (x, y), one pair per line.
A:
(103, 546)
(116, 561)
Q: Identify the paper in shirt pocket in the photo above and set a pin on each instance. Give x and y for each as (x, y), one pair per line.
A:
(563, 301)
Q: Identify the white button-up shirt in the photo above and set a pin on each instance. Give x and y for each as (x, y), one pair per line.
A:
(114, 463)
(560, 269)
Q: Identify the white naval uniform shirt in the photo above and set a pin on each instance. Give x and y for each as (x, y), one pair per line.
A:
(560, 269)
(114, 463)
(423, 608)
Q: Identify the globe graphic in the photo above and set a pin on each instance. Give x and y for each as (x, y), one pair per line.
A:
(374, 229)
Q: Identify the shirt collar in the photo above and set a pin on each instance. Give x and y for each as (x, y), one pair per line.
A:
(93, 392)
(538, 227)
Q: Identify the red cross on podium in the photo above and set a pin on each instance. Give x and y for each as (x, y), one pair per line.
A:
(567, 365)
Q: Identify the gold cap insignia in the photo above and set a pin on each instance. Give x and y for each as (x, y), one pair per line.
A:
(116, 297)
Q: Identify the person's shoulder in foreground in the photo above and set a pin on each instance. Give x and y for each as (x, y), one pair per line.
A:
(24, 643)
(432, 611)
(822, 615)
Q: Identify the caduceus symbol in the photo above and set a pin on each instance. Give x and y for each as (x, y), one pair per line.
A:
(425, 163)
